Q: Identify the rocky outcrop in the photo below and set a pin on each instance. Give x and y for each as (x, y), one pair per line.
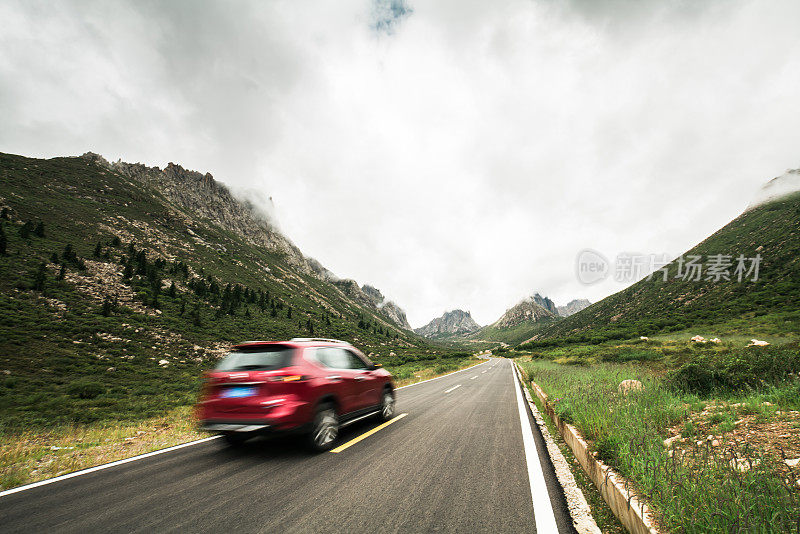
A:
(545, 303)
(574, 306)
(197, 196)
(395, 313)
(527, 311)
(200, 196)
(452, 323)
(371, 297)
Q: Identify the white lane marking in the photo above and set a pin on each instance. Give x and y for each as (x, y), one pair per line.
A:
(473, 377)
(103, 466)
(452, 388)
(542, 509)
(484, 371)
(438, 377)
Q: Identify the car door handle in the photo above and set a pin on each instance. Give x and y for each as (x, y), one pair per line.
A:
(359, 378)
(333, 377)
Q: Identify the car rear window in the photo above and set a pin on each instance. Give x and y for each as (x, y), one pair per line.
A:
(257, 359)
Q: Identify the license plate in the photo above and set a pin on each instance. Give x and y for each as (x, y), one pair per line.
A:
(238, 392)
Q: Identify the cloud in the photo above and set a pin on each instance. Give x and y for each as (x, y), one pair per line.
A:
(459, 157)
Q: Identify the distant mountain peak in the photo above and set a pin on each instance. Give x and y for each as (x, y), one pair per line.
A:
(529, 310)
(573, 306)
(451, 323)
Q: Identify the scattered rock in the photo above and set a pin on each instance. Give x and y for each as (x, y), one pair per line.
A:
(743, 464)
(644, 338)
(698, 339)
(111, 369)
(757, 343)
(793, 462)
(716, 340)
(626, 386)
(669, 441)
(163, 362)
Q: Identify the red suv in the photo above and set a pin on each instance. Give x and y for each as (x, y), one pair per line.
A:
(315, 386)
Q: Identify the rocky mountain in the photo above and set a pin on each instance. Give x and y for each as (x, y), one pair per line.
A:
(545, 303)
(371, 297)
(207, 198)
(519, 322)
(451, 323)
(574, 306)
(527, 311)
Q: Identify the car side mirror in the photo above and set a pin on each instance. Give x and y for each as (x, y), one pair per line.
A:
(376, 366)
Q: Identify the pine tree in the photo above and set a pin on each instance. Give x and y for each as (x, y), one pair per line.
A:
(107, 306)
(3, 241)
(116, 242)
(69, 253)
(289, 313)
(183, 308)
(4, 214)
(98, 250)
(172, 290)
(39, 231)
(25, 230)
(54, 258)
(40, 277)
(273, 313)
(62, 272)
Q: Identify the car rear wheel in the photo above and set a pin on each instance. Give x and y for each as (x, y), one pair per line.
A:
(387, 406)
(324, 429)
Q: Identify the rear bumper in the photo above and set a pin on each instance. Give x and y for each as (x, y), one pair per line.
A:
(225, 426)
(210, 426)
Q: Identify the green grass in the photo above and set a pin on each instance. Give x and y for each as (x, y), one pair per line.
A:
(698, 492)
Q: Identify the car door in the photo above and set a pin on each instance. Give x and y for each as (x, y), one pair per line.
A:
(367, 383)
(341, 377)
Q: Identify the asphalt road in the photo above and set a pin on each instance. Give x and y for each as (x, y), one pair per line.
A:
(455, 463)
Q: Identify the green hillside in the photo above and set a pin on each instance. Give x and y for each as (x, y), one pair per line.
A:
(113, 298)
(651, 306)
(512, 335)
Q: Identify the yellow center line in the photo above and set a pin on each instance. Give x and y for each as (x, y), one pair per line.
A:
(367, 434)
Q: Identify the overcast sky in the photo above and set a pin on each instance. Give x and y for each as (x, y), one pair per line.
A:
(455, 154)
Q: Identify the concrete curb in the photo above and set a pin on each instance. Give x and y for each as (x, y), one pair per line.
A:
(629, 508)
(579, 509)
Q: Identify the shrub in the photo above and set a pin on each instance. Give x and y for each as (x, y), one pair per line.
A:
(85, 389)
(694, 378)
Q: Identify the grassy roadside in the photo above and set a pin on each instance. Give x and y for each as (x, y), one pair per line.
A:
(704, 441)
(33, 455)
(603, 516)
(411, 373)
